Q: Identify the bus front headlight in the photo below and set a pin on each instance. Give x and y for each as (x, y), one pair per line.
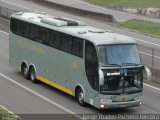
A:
(102, 106)
(139, 98)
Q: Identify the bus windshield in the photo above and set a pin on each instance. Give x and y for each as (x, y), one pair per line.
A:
(120, 55)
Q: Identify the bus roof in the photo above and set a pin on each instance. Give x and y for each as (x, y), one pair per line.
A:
(75, 28)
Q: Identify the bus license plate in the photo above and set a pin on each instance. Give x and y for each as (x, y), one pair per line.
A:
(122, 96)
(123, 106)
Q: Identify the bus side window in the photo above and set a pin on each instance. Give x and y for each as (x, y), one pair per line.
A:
(66, 43)
(13, 25)
(34, 32)
(54, 39)
(16, 26)
(51, 38)
(44, 35)
(58, 37)
(91, 65)
(77, 47)
(25, 29)
(20, 28)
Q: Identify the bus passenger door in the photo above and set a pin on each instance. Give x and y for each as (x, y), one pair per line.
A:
(91, 66)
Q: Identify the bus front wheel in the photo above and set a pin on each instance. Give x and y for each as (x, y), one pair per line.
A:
(32, 74)
(80, 97)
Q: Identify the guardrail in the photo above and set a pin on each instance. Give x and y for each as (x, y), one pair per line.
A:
(149, 56)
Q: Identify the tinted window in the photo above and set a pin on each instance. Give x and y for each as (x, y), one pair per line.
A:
(77, 47)
(34, 32)
(25, 29)
(66, 43)
(16, 26)
(54, 39)
(12, 25)
(48, 37)
(44, 35)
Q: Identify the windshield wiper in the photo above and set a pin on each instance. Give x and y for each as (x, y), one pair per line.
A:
(114, 65)
(110, 65)
(130, 64)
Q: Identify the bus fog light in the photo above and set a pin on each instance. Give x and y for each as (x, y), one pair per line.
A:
(102, 106)
(140, 103)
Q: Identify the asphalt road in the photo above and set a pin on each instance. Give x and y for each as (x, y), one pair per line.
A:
(23, 97)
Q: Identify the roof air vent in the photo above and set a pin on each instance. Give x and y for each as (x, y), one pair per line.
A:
(53, 22)
(82, 32)
(19, 13)
(59, 22)
(69, 22)
(97, 31)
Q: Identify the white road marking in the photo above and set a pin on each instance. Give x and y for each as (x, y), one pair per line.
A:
(146, 41)
(151, 86)
(6, 109)
(4, 32)
(149, 54)
(17, 5)
(42, 97)
(10, 112)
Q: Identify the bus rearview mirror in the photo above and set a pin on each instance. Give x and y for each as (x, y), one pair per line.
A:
(101, 77)
(148, 73)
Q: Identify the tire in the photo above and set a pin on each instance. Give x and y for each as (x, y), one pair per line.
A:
(80, 97)
(25, 71)
(32, 75)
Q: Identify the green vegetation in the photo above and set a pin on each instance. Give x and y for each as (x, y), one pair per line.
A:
(129, 3)
(5, 115)
(142, 26)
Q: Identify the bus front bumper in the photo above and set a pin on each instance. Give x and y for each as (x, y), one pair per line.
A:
(113, 105)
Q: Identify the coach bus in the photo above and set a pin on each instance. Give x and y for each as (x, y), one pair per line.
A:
(97, 67)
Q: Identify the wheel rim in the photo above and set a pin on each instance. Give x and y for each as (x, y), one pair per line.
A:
(81, 97)
(25, 71)
(32, 75)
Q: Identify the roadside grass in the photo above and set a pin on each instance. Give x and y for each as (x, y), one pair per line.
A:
(126, 3)
(142, 26)
(5, 115)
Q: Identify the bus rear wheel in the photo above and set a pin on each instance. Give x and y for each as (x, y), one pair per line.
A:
(80, 97)
(32, 75)
(24, 70)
